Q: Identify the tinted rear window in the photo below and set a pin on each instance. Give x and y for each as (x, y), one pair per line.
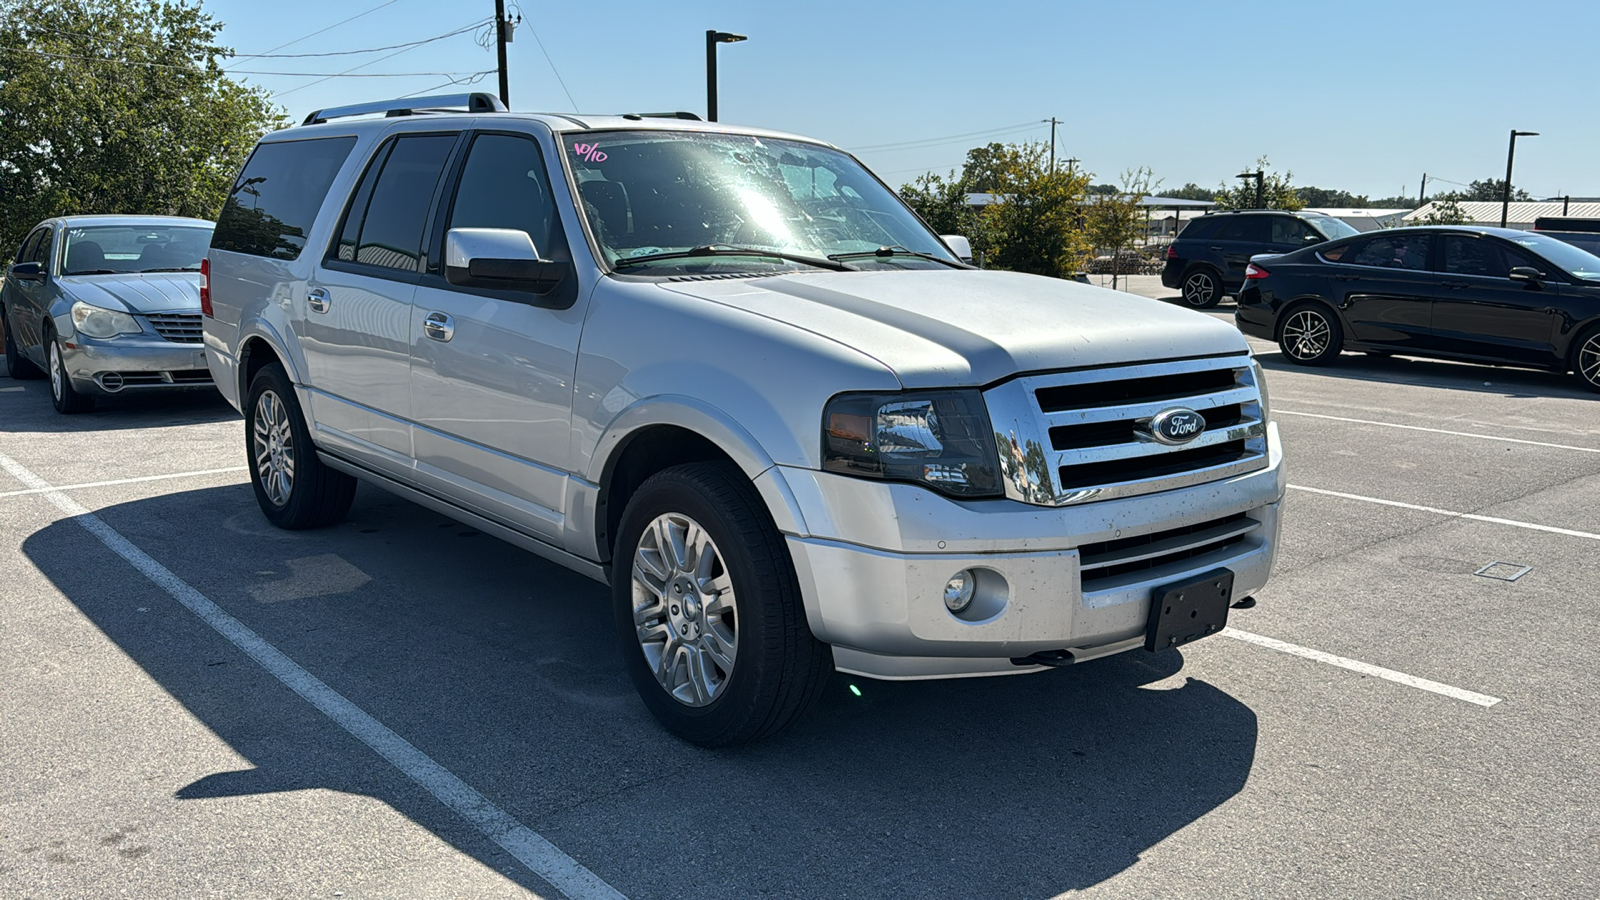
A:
(275, 201)
(1199, 228)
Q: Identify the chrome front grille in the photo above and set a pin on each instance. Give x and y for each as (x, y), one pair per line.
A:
(181, 328)
(1077, 437)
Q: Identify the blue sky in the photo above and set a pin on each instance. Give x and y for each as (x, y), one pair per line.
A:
(1359, 95)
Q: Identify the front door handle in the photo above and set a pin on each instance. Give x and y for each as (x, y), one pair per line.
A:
(1348, 277)
(439, 326)
(318, 300)
(1454, 285)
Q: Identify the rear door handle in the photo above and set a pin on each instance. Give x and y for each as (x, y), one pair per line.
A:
(1215, 249)
(318, 300)
(439, 326)
(1453, 285)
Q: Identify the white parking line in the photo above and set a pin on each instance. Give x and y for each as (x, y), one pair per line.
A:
(539, 855)
(12, 390)
(1465, 434)
(1361, 667)
(1449, 512)
(95, 484)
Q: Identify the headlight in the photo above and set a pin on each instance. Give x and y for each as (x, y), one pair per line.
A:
(92, 321)
(940, 439)
(1261, 385)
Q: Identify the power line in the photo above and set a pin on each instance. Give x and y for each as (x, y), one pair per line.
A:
(136, 62)
(951, 137)
(349, 70)
(441, 37)
(553, 68)
(474, 78)
(329, 28)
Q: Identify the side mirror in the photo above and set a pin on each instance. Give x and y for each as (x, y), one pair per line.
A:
(498, 258)
(28, 271)
(1526, 273)
(1313, 239)
(958, 245)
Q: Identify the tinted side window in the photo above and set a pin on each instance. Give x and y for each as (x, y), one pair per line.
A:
(274, 203)
(1199, 228)
(1286, 230)
(1244, 228)
(503, 185)
(41, 251)
(1476, 256)
(1391, 251)
(388, 232)
(25, 252)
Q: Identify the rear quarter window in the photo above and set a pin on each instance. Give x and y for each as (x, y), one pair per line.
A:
(275, 200)
(1199, 228)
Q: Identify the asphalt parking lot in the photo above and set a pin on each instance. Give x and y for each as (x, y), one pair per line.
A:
(200, 705)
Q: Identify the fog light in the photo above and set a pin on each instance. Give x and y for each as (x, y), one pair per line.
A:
(959, 589)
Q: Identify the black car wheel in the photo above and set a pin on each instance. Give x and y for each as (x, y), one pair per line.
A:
(1310, 335)
(1586, 360)
(16, 366)
(708, 609)
(1201, 289)
(67, 399)
(293, 487)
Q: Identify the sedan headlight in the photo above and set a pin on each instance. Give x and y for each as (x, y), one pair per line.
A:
(940, 439)
(92, 321)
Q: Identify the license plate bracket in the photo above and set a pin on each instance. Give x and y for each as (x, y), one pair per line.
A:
(1188, 610)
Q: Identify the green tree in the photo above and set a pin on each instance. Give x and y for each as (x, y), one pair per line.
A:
(1493, 189)
(1116, 220)
(984, 169)
(1038, 224)
(1446, 210)
(942, 203)
(1328, 197)
(1192, 191)
(1276, 191)
(118, 106)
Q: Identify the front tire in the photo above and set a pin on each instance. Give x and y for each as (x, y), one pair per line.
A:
(293, 487)
(16, 366)
(1201, 289)
(1310, 335)
(1586, 360)
(708, 610)
(68, 400)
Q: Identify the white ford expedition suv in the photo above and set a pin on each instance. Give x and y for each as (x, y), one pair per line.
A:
(728, 372)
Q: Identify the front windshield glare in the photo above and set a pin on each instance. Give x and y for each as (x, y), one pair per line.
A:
(1578, 262)
(128, 249)
(660, 193)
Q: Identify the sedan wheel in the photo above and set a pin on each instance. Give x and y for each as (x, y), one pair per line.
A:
(1310, 336)
(1201, 290)
(1587, 361)
(66, 398)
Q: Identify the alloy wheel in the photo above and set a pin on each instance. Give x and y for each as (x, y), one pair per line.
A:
(1306, 335)
(1198, 289)
(1589, 360)
(273, 441)
(684, 611)
(57, 372)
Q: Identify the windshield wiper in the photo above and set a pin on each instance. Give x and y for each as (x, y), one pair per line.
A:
(93, 272)
(896, 250)
(714, 250)
(173, 269)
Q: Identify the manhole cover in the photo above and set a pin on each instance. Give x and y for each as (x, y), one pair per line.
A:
(1503, 571)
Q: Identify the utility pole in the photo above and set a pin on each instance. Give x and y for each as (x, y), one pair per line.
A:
(1052, 145)
(502, 34)
(1071, 166)
(1422, 195)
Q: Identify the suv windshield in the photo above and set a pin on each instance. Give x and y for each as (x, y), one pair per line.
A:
(123, 249)
(1331, 228)
(650, 196)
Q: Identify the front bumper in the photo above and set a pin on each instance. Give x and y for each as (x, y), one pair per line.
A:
(134, 363)
(875, 558)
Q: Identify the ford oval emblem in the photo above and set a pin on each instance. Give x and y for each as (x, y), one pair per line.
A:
(1176, 426)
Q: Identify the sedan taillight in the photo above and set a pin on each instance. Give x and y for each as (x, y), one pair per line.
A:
(1255, 271)
(1172, 251)
(205, 287)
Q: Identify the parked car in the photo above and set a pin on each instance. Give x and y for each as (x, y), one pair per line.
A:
(1581, 233)
(1208, 259)
(1489, 295)
(729, 373)
(107, 304)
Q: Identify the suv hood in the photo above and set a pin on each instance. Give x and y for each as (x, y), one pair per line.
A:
(150, 292)
(966, 327)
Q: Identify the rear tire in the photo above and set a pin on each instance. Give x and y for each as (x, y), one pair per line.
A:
(293, 487)
(67, 399)
(1202, 289)
(16, 366)
(1310, 335)
(1586, 359)
(708, 609)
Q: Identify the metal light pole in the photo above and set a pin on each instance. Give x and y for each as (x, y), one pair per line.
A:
(713, 38)
(1259, 176)
(1511, 154)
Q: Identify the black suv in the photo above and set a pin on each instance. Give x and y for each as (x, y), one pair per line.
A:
(1209, 257)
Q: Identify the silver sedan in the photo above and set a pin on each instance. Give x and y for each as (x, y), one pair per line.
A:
(107, 304)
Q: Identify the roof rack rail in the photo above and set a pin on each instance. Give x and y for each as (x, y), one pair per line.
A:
(476, 102)
(686, 116)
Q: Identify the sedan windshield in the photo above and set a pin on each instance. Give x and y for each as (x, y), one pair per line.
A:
(650, 197)
(124, 249)
(1577, 262)
(1332, 228)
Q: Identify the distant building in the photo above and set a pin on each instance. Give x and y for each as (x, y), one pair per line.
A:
(1363, 219)
(1520, 214)
(1166, 214)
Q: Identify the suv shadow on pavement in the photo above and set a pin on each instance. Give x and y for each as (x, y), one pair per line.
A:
(510, 678)
(1483, 379)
